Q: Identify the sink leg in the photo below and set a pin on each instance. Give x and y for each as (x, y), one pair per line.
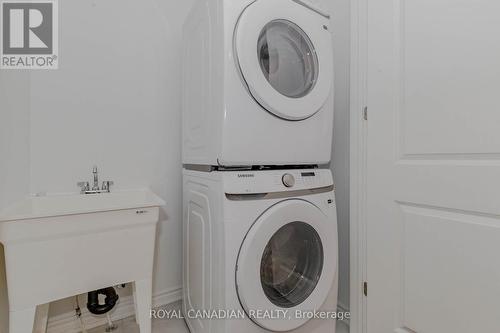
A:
(41, 319)
(22, 321)
(143, 293)
(134, 294)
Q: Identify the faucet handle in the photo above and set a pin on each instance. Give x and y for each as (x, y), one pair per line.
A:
(85, 186)
(106, 185)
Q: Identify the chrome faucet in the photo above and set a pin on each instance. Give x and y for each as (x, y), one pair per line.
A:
(85, 186)
(96, 179)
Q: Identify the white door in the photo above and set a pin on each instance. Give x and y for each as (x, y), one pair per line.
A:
(433, 214)
(287, 261)
(284, 52)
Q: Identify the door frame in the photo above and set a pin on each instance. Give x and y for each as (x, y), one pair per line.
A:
(358, 165)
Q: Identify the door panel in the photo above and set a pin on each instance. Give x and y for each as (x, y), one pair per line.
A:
(449, 79)
(433, 166)
(450, 270)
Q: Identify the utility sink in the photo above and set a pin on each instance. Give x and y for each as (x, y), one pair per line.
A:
(60, 205)
(60, 246)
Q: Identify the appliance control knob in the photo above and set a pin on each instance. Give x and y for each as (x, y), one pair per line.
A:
(288, 180)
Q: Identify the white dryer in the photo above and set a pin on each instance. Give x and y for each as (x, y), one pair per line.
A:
(262, 244)
(257, 83)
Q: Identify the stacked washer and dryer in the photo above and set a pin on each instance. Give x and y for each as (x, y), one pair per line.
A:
(260, 227)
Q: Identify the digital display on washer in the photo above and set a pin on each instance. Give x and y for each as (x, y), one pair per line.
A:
(308, 174)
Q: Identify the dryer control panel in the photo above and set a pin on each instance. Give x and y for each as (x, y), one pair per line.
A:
(271, 181)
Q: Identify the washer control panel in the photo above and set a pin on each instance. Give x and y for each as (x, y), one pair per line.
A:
(269, 181)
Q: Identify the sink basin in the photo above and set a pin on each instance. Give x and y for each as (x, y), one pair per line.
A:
(60, 205)
(60, 246)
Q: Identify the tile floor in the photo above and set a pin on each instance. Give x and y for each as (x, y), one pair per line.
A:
(128, 325)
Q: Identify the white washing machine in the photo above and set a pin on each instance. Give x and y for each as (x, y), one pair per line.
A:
(257, 83)
(260, 249)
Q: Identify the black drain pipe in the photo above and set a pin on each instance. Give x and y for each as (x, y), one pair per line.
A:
(109, 302)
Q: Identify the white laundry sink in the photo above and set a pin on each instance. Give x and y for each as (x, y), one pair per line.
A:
(60, 205)
(60, 246)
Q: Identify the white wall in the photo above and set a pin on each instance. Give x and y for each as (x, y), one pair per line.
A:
(340, 10)
(14, 155)
(115, 102)
(14, 136)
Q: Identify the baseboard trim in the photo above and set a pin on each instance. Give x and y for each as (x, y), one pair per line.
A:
(167, 297)
(68, 323)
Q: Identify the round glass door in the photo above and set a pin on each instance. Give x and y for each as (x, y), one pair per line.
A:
(291, 264)
(287, 58)
(288, 260)
(284, 53)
